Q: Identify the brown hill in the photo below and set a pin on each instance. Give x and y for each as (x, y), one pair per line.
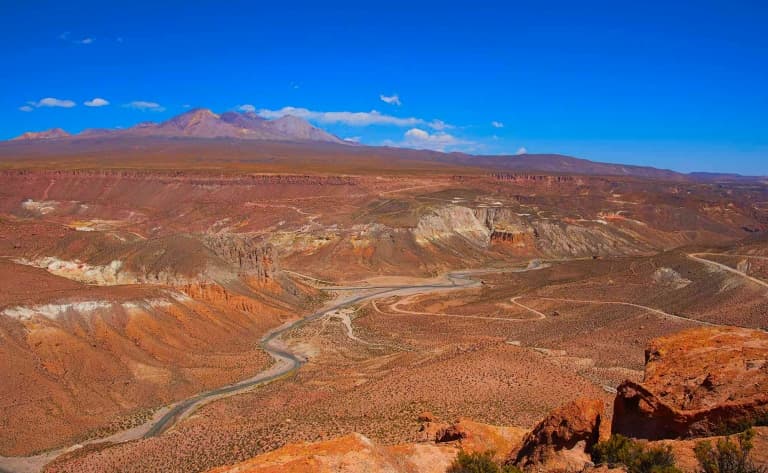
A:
(281, 145)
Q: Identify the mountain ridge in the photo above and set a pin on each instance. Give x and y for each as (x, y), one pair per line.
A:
(204, 123)
(200, 131)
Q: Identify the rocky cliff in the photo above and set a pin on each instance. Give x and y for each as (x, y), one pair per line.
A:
(248, 254)
(697, 383)
(564, 439)
(449, 222)
(533, 235)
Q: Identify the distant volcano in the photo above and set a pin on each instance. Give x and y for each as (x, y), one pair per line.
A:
(53, 133)
(203, 123)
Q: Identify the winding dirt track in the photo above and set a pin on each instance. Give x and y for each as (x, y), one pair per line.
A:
(695, 257)
(628, 304)
(396, 308)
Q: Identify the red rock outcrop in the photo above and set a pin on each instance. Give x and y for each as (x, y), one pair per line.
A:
(514, 239)
(564, 439)
(697, 383)
(355, 453)
(473, 436)
(349, 454)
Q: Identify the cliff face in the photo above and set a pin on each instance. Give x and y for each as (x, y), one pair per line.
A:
(248, 254)
(449, 222)
(507, 228)
(534, 235)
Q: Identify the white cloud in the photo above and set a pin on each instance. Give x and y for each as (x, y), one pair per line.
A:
(496, 124)
(26, 108)
(353, 139)
(521, 150)
(145, 106)
(440, 140)
(352, 118)
(439, 125)
(52, 102)
(67, 36)
(246, 108)
(393, 99)
(96, 102)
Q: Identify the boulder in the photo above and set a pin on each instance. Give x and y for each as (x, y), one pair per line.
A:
(564, 439)
(473, 436)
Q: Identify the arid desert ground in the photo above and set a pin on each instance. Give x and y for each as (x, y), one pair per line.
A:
(162, 313)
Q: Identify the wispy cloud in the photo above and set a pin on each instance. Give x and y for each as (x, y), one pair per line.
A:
(96, 102)
(352, 118)
(67, 36)
(145, 106)
(496, 124)
(439, 125)
(246, 108)
(48, 102)
(393, 99)
(521, 150)
(353, 139)
(26, 108)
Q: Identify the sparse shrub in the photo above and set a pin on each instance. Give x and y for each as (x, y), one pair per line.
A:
(478, 462)
(728, 456)
(619, 450)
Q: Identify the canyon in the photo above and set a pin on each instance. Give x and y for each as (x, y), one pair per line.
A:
(281, 301)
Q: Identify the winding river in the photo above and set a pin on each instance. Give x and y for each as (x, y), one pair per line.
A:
(286, 363)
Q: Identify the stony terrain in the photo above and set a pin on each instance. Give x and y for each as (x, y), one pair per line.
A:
(130, 284)
(562, 441)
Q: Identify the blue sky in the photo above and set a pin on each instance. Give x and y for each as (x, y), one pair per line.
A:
(681, 85)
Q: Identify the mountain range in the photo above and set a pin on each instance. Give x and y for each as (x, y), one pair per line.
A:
(203, 123)
(290, 142)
